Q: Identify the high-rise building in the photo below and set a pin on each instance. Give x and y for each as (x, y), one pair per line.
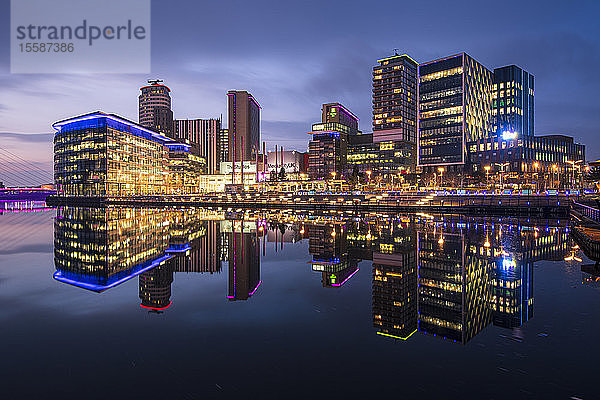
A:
(203, 136)
(512, 102)
(155, 108)
(455, 107)
(395, 109)
(327, 150)
(244, 126)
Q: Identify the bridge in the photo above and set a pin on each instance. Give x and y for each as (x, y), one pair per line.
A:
(24, 185)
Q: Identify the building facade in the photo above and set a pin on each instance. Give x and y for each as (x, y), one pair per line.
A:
(155, 108)
(395, 101)
(101, 154)
(203, 135)
(243, 126)
(512, 102)
(328, 148)
(455, 107)
(514, 156)
(224, 145)
(291, 161)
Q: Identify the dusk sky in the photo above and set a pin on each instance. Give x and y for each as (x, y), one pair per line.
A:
(294, 56)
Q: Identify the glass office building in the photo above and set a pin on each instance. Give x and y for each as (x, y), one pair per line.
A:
(512, 102)
(455, 108)
(100, 154)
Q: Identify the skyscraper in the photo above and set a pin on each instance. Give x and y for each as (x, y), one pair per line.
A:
(455, 107)
(155, 108)
(203, 136)
(512, 101)
(395, 110)
(244, 126)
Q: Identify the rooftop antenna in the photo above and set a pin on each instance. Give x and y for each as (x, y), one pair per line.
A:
(155, 81)
(395, 53)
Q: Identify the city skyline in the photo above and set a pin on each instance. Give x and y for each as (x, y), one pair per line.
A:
(293, 77)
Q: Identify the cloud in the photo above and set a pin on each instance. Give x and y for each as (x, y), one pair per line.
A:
(28, 137)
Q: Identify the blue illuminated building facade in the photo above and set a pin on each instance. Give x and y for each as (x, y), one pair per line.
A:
(512, 102)
(101, 154)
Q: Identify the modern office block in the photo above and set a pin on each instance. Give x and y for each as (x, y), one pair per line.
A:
(101, 154)
(455, 107)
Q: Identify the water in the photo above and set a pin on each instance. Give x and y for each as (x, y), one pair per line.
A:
(187, 304)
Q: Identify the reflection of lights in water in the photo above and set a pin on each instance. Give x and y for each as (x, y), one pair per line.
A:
(573, 257)
(508, 263)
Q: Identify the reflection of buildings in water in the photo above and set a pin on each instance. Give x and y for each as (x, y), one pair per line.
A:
(466, 278)
(328, 246)
(454, 286)
(98, 249)
(244, 260)
(395, 294)
(155, 287)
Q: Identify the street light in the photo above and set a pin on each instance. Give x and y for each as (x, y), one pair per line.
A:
(441, 169)
(572, 162)
(554, 171)
(502, 165)
(487, 175)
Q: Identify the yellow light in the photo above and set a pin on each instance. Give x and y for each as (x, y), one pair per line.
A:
(441, 241)
(536, 164)
(487, 167)
(441, 169)
(333, 233)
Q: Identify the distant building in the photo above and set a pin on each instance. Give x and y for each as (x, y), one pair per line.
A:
(327, 150)
(455, 107)
(291, 161)
(224, 145)
(395, 101)
(155, 108)
(243, 126)
(204, 137)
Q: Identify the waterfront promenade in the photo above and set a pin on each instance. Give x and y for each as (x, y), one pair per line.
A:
(429, 202)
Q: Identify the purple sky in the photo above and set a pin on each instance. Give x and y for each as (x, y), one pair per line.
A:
(294, 56)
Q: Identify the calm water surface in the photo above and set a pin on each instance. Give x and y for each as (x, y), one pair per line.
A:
(187, 304)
